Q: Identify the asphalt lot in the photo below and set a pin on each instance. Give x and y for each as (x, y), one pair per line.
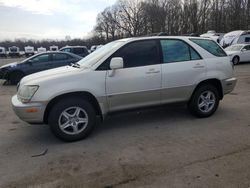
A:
(163, 147)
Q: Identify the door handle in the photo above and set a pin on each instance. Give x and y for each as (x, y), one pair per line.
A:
(198, 66)
(152, 71)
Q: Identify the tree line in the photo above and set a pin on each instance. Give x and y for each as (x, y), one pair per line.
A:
(130, 18)
(21, 43)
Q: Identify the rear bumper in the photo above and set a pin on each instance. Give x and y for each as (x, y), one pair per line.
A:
(228, 85)
(30, 112)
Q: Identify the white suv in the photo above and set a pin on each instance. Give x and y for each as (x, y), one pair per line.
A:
(126, 74)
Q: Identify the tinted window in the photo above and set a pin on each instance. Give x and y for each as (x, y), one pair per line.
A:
(66, 50)
(247, 39)
(60, 57)
(247, 47)
(210, 46)
(174, 51)
(140, 53)
(194, 55)
(13, 49)
(41, 58)
(78, 50)
(177, 50)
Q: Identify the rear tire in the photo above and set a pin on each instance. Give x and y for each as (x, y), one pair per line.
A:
(236, 60)
(72, 119)
(204, 101)
(15, 77)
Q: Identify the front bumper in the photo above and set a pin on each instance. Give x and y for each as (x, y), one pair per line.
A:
(30, 112)
(2, 74)
(228, 85)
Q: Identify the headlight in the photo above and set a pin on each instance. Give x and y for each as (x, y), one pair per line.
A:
(25, 93)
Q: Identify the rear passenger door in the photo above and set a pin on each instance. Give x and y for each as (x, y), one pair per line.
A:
(182, 69)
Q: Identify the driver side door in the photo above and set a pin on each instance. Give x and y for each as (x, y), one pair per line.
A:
(138, 83)
(39, 63)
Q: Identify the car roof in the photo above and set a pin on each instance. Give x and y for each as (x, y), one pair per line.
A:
(240, 45)
(162, 37)
(59, 52)
(73, 47)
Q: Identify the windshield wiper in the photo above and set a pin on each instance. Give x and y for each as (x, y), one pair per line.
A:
(76, 65)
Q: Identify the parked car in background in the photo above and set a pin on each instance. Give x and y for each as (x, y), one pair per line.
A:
(78, 50)
(99, 46)
(92, 48)
(126, 74)
(29, 51)
(95, 47)
(14, 51)
(239, 53)
(213, 35)
(41, 50)
(235, 37)
(14, 72)
(3, 52)
(53, 48)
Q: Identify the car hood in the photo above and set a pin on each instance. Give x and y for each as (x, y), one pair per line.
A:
(9, 65)
(232, 52)
(49, 74)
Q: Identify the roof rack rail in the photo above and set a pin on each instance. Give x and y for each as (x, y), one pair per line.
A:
(156, 34)
(191, 34)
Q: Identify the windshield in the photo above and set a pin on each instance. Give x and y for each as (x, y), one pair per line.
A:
(234, 48)
(13, 49)
(94, 57)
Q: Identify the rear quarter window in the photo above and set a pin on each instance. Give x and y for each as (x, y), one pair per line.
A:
(210, 46)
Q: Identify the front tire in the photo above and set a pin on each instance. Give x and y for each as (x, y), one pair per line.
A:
(15, 77)
(236, 60)
(204, 101)
(72, 119)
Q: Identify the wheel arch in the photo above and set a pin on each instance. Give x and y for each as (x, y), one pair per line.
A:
(213, 81)
(236, 56)
(82, 94)
(14, 71)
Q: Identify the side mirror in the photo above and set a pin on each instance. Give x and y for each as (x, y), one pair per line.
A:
(116, 63)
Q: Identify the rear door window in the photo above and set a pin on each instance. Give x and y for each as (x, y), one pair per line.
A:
(210, 46)
(174, 50)
(41, 58)
(78, 50)
(66, 50)
(60, 57)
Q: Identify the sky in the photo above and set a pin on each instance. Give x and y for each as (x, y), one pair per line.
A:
(49, 19)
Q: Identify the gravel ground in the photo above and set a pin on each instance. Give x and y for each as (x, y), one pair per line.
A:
(162, 147)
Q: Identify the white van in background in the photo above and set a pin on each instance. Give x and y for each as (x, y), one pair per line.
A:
(3, 52)
(14, 51)
(53, 48)
(41, 50)
(29, 51)
(213, 35)
(235, 37)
